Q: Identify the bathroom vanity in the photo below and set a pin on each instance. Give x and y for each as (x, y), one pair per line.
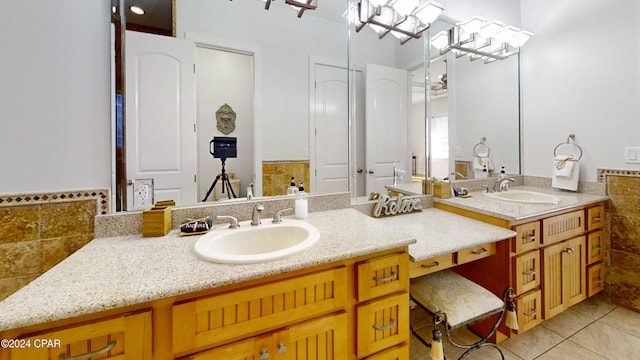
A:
(152, 298)
(554, 261)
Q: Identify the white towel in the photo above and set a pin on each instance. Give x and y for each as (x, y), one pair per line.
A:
(563, 165)
(567, 182)
(480, 162)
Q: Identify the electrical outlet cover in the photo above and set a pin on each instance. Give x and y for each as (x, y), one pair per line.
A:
(142, 194)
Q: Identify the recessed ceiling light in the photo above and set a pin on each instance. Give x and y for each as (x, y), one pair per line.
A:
(136, 10)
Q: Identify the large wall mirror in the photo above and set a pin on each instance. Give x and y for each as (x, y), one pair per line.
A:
(298, 111)
(474, 114)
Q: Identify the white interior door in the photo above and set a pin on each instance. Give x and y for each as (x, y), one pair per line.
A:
(386, 125)
(331, 129)
(160, 122)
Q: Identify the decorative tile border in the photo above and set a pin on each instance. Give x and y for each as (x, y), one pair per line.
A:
(102, 196)
(603, 173)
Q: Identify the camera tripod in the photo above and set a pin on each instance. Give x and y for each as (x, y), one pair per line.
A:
(226, 184)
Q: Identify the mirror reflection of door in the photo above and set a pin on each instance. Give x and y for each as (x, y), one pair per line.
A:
(224, 77)
(160, 135)
(329, 137)
(386, 125)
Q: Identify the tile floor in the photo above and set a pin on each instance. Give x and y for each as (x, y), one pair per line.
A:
(594, 329)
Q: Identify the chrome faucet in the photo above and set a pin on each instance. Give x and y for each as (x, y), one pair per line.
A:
(277, 218)
(255, 214)
(503, 184)
(233, 221)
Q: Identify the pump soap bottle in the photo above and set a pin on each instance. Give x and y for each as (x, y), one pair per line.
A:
(302, 203)
(292, 190)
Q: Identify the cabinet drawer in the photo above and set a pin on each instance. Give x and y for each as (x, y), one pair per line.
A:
(478, 252)
(228, 316)
(595, 217)
(529, 307)
(528, 237)
(383, 275)
(562, 227)
(400, 352)
(595, 247)
(424, 267)
(527, 271)
(382, 323)
(125, 337)
(595, 279)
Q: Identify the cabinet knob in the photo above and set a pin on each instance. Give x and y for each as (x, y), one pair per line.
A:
(370, 171)
(264, 354)
(569, 250)
(360, 170)
(282, 348)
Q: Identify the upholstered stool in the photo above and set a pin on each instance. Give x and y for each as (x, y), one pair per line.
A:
(456, 301)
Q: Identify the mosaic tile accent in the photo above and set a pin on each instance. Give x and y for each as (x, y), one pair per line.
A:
(603, 173)
(102, 197)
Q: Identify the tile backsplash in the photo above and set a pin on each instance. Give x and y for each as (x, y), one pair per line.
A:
(622, 279)
(276, 176)
(37, 231)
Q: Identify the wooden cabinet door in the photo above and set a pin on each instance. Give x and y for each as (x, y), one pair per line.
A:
(383, 275)
(528, 308)
(324, 338)
(595, 247)
(564, 267)
(382, 323)
(123, 338)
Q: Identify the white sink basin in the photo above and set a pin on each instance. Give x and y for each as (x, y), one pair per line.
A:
(524, 196)
(254, 244)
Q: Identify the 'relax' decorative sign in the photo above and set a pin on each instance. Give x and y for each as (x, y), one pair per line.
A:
(389, 206)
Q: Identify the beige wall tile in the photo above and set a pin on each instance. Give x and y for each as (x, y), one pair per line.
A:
(10, 285)
(19, 259)
(19, 223)
(67, 219)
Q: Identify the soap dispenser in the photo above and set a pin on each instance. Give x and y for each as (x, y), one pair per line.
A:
(302, 203)
(292, 190)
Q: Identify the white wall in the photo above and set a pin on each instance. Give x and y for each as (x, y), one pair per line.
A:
(581, 75)
(286, 43)
(54, 95)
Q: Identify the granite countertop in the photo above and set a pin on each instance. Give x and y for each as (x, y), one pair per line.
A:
(114, 272)
(439, 232)
(109, 273)
(515, 211)
(412, 188)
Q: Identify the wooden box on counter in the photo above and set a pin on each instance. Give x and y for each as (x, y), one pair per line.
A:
(156, 221)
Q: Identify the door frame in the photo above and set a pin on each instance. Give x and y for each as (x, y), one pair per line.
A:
(214, 42)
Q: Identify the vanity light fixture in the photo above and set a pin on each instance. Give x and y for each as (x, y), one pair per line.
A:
(480, 38)
(404, 19)
(299, 5)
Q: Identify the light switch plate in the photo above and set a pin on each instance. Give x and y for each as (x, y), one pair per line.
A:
(632, 155)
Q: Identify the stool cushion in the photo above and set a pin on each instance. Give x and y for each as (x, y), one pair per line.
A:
(461, 299)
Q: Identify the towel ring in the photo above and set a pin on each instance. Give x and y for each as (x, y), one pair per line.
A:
(569, 143)
(481, 149)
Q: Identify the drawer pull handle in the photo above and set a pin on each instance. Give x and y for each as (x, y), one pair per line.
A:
(596, 218)
(597, 280)
(569, 250)
(390, 325)
(264, 354)
(282, 348)
(531, 314)
(430, 266)
(530, 238)
(391, 277)
(529, 273)
(89, 354)
(479, 252)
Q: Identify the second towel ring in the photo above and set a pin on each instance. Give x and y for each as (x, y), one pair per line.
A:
(481, 149)
(572, 144)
